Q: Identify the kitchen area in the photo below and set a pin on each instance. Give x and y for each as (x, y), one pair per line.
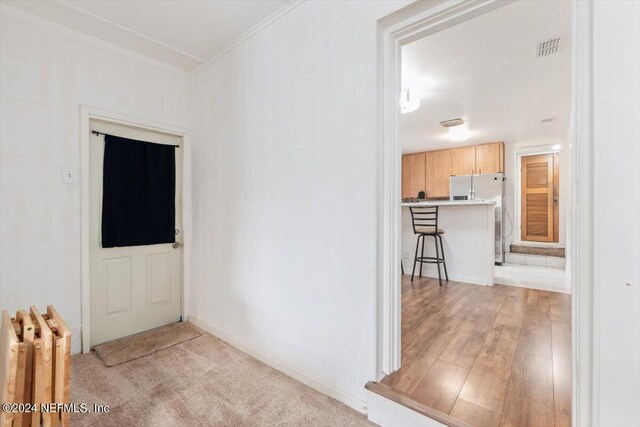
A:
(485, 135)
(467, 185)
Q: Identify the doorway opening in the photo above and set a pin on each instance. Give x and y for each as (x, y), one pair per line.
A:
(482, 92)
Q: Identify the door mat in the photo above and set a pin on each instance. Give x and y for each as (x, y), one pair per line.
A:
(134, 347)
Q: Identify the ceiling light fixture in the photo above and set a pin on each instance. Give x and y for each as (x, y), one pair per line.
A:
(409, 101)
(457, 130)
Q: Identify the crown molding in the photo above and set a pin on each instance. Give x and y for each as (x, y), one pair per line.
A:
(250, 33)
(127, 30)
(13, 12)
(63, 30)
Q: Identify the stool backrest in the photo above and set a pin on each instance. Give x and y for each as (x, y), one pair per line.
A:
(424, 216)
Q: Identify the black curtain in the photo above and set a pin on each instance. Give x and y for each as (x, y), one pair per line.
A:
(138, 197)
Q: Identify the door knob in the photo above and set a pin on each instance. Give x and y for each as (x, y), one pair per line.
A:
(176, 245)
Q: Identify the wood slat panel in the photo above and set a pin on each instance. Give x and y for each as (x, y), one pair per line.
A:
(537, 218)
(9, 346)
(43, 368)
(28, 335)
(537, 175)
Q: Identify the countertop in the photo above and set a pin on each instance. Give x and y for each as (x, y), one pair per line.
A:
(450, 203)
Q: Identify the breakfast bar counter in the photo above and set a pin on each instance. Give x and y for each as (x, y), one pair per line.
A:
(468, 240)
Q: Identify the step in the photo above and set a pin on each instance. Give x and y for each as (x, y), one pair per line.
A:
(389, 408)
(537, 250)
(534, 260)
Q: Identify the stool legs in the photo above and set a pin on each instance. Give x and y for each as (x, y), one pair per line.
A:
(422, 256)
(435, 240)
(444, 262)
(439, 259)
(415, 258)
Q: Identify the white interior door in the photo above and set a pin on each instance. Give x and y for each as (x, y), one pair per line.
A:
(137, 288)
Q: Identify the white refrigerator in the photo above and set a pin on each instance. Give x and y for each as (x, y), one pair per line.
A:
(483, 187)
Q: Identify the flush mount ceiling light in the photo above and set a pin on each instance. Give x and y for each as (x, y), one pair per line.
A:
(457, 130)
(409, 101)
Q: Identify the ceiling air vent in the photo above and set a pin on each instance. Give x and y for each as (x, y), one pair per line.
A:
(548, 47)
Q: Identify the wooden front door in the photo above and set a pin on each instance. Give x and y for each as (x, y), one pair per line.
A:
(539, 198)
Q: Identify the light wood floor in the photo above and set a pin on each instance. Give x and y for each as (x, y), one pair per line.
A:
(488, 356)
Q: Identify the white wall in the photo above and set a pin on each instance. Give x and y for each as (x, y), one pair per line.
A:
(512, 151)
(284, 134)
(45, 77)
(616, 133)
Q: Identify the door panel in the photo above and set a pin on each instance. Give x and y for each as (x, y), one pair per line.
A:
(463, 161)
(438, 165)
(118, 285)
(537, 192)
(413, 174)
(137, 288)
(158, 279)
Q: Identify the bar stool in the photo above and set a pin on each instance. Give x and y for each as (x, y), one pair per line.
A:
(425, 223)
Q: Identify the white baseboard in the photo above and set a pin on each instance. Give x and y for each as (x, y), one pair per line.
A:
(539, 287)
(432, 273)
(76, 340)
(324, 388)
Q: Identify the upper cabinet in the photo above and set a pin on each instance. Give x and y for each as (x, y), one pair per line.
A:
(430, 171)
(413, 174)
(490, 158)
(463, 160)
(438, 172)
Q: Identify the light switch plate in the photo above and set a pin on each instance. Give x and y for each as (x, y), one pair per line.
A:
(69, 175)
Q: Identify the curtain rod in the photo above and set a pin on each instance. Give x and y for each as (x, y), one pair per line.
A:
(95, 132)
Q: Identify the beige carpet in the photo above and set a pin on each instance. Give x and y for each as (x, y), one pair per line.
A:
(136, 346)
(201, 382)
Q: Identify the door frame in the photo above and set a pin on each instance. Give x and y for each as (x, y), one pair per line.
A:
(418, 20)
(87, 114)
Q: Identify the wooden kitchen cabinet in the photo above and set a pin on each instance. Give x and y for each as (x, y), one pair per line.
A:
(490, 158)
(438, 164)
(463, 160)
(430, 171)
(413, 174)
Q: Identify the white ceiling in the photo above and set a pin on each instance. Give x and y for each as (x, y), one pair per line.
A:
(485, 71)
(181, 33)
